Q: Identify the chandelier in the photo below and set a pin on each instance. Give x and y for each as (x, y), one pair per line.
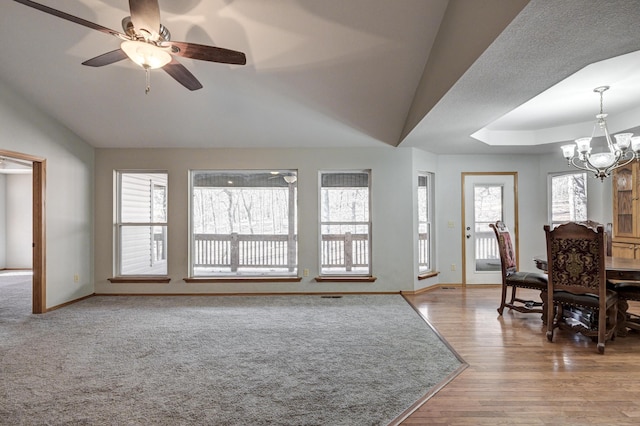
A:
(601, 164)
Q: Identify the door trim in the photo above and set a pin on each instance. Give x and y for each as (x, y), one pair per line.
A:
(515, 229)
(39, 294)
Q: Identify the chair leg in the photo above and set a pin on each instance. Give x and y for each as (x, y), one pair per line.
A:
(551, 319)
(602, 329)
(614, 321)
(503, 299)
(621, 318)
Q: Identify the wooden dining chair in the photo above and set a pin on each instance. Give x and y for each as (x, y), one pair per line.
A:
(578, 299)
(514, 279)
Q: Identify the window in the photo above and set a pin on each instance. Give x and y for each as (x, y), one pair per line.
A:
(141, 223)
(243, 223)
(568, 198)
(345, 223)
(425, 215)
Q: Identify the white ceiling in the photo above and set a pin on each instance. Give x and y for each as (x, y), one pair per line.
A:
(331, 73)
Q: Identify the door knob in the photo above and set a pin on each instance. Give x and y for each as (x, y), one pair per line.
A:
(468, 236)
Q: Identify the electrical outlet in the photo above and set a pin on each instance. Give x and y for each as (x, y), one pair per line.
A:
(305, 272)
(450, 224)
(453, 266)
(76, 278)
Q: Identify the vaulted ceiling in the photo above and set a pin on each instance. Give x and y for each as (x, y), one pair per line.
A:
(331, 73)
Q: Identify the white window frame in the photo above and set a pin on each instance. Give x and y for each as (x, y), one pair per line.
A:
(236, 269)
(368, 224)
(428, 223)
(119, 224)
(550, 179)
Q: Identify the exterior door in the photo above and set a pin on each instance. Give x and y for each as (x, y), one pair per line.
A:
(487, 197)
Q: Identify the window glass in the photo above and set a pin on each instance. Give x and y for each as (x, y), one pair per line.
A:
(141, 223)
(424, 222)
(243, 222)
(345, 223)
(487, 209)
(568, 198)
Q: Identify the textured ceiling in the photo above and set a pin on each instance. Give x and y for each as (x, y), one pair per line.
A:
(546, 43)
(357, 73)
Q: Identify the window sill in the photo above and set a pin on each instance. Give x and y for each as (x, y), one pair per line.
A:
(242, 279)
(149, 279)
(429, 274)
(345, 278)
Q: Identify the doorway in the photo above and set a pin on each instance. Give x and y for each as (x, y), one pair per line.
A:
(39, 302)
(486, 198)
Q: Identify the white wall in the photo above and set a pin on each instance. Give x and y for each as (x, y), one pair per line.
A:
(394, 213)
(70, 210)
(19, 236)
(392, 216)
(3, 227)
(423, 162)
(69, 193)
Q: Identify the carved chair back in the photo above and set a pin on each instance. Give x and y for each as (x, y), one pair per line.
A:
(576, 258)
(505, 247)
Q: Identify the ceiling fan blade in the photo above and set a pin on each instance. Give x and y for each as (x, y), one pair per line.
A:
(145, 15)
(207, 53)
(106, 58)
(63, 15)
(182, 75)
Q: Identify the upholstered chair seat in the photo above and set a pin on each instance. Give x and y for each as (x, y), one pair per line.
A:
(583, 300)
(532, 280)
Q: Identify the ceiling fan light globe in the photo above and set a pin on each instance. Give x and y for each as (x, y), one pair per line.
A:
(145, 55)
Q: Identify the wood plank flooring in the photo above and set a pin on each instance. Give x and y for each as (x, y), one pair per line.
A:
(517, 377)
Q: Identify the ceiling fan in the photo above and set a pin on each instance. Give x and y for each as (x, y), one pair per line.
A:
(148, 43)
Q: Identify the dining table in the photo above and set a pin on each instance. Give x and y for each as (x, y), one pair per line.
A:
(618, 269)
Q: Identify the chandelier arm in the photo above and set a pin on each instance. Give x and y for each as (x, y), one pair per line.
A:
(607, 136)
(617, 164)
(606, 170)
(587, 167)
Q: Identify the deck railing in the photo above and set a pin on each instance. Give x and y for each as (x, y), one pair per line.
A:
(486, 246)
(244, 251)
(345, 251)
(235, 251)
(423, 250)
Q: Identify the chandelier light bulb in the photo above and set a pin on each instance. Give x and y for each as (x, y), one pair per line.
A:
(568, 151)
(623, 140)
(584, 145)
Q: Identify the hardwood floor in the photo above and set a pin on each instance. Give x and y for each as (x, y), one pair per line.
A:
(517, 377)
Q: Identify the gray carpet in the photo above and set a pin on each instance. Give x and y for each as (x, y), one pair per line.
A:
(207, 360)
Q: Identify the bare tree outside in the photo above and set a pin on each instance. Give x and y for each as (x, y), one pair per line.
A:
(244, 222)
(345, 223)
(568, 198)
